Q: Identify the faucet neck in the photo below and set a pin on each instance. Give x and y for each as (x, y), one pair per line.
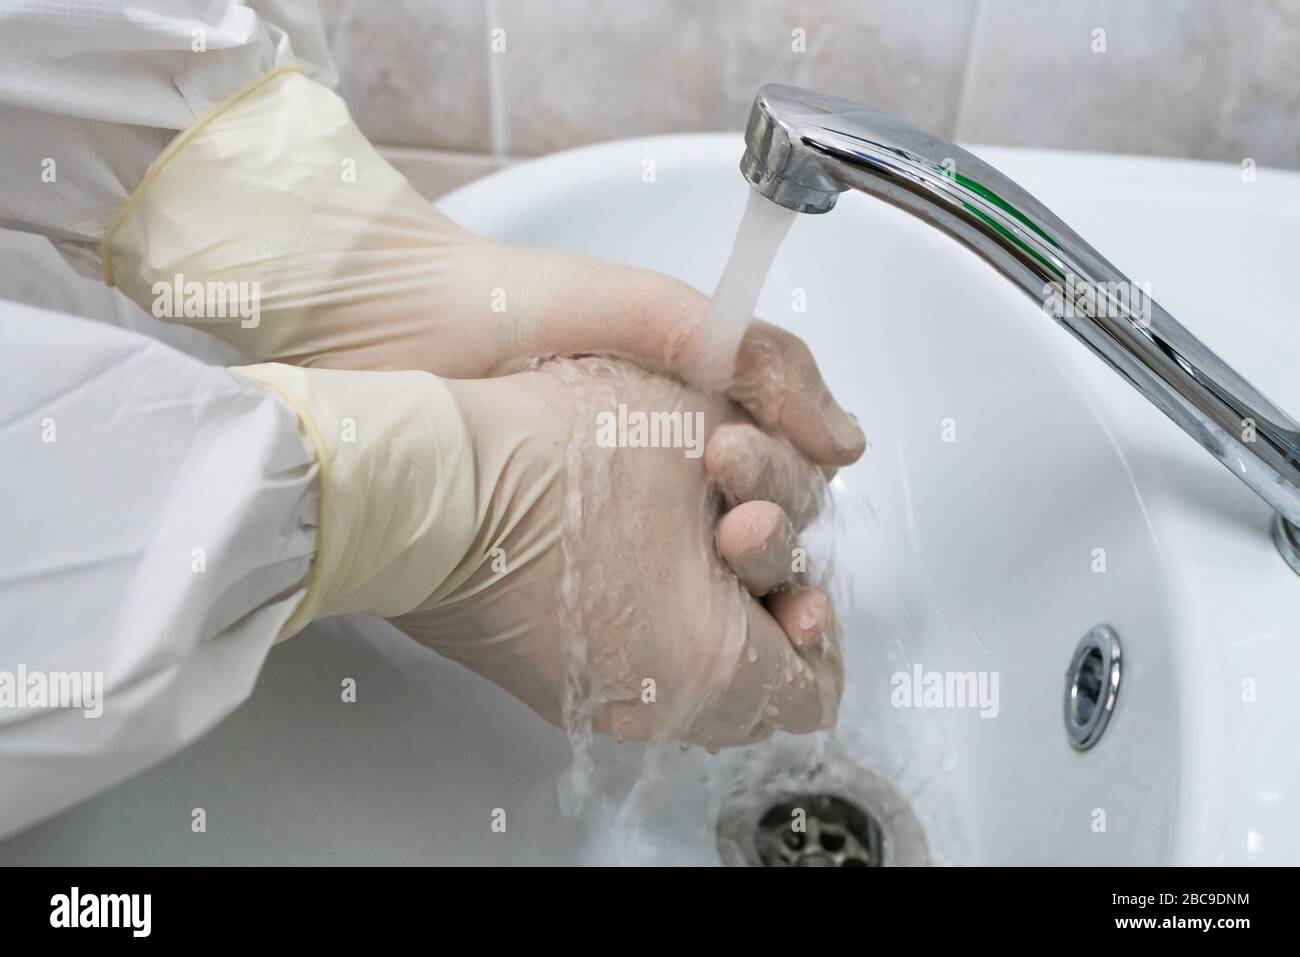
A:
(802, 149)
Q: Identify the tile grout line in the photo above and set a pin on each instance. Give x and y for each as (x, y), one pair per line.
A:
(968, 68)
(496, 95)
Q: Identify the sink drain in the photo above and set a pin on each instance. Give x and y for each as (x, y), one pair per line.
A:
(819, 830)
(846, 817)
(1092, 686)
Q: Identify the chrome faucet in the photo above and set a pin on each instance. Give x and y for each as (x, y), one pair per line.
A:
(802, 149)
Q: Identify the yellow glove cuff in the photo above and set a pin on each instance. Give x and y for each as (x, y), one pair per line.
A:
(397, 499)
(262, 216)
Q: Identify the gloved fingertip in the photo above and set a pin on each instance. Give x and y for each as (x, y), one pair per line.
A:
(850, 441)
(804, 614)
(812, 620)
(756, 539)
(735, 459)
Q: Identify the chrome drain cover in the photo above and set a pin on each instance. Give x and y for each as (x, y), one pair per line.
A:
(844, 816)
(819, 830)
(1092, 686)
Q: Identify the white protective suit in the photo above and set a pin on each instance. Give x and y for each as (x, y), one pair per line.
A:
(92, 91)
(159, 522)
(165, 520)
(160, 514)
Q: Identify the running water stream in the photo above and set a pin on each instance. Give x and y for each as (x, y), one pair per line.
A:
(762, 229)
(659, 803)
(637, 788)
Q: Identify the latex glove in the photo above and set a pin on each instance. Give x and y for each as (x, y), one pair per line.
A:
(396, 486)
(612, 585)
(356, 270)
(596, 584)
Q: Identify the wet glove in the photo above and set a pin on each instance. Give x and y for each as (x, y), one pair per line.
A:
(524, 526)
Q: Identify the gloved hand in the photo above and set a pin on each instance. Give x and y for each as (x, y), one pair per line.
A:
(590, 581)
(356, 270)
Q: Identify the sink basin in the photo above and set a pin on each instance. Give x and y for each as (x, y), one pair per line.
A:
(1015, 494)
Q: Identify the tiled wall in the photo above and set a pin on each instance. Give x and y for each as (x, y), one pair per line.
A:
(1208, 79)
(1211, 79)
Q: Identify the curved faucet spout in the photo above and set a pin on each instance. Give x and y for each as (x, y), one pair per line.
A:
(802, 149)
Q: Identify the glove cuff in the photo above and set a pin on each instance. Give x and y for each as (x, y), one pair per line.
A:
(397, 500)
(257, 221)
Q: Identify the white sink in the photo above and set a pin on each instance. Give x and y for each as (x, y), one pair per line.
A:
(974, 555)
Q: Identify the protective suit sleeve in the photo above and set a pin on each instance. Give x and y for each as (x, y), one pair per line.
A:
(159, 525)
(166, 520)
(92, 91)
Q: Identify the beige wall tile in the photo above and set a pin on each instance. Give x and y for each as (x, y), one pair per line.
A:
(1197, 78)
(1216, 79)
(579, 71)
(413, 72)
